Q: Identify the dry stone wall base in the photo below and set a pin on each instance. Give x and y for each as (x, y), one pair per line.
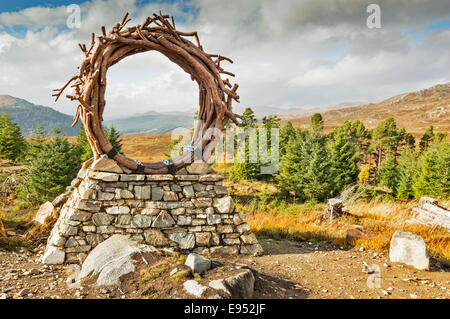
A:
(186, 212)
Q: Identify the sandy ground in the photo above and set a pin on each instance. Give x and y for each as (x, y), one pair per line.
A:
(287, 270)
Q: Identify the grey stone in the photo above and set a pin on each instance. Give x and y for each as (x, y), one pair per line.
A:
(80, 216)
(78, 249)
(112, 259)
(184, 240)
(46, 210)
(105, 196)
(132, 177)
(203, 238)
(67, 230)
(123, 193)
(102, 219)
(199, 168)
(242, 228)
(142, 221)
(188, 191)
(163, 220)
(194, 288)
(89, 228)
(211, 218)
(118, 210)
(254, 249)
(156, 238)
(249, 239)
(53, 256)
(170, 196)
(123, 220)
(184, 220)
(224, 205)
(198, 263)
(94, 239)
(157, 193)
(410, 249)
(240, 286)
(71, 242)
(159, 178)
(224, 250)
(88, 205)
(61, 199)
(199, 187)
(103, 176)
(142, 192)
(106, 229)
(211, 178)
(220, 190)
(104, 164)
(202, 202)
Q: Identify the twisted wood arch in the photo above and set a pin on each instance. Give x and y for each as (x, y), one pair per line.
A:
(157, 33)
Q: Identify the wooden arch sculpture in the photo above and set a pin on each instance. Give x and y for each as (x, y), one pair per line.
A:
(157, 33)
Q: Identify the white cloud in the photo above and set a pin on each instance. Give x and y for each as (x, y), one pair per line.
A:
(287, 54)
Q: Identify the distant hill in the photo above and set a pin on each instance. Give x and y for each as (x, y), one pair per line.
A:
(295, 113)
(414, 111)
(29, 115)
(151, 122)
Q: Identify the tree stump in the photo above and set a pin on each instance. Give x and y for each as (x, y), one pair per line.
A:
(334, 209)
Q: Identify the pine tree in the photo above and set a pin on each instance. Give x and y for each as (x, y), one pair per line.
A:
(84, 147)
(317, 122)
(12, 143)
(345, 156)
(52, 169)
(410, 141)
(248, 119)
(306, 168)
(434, 171)
(388, 174)
(242, 167)
(385, 138)
(426, 138)
(114, 137)
(407, 174)
(34, 145)
(287, 133)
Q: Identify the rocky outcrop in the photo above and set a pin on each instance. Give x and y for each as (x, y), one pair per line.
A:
(186, 212)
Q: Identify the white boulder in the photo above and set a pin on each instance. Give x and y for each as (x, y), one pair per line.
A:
(410, 249)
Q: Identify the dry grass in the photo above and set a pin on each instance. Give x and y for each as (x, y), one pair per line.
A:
(304, 221)
(145, 148)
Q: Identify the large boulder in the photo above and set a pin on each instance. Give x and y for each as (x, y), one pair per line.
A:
(240, 286)
(46, 210)
(197, 263)
(112, 259)
(410, 249)
(53, 256)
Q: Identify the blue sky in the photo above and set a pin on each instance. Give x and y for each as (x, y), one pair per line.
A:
(287, 53)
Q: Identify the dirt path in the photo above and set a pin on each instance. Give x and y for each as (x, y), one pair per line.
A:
(331, 272)
(287, 270)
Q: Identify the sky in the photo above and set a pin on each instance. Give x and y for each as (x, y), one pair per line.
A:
(287, 53)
